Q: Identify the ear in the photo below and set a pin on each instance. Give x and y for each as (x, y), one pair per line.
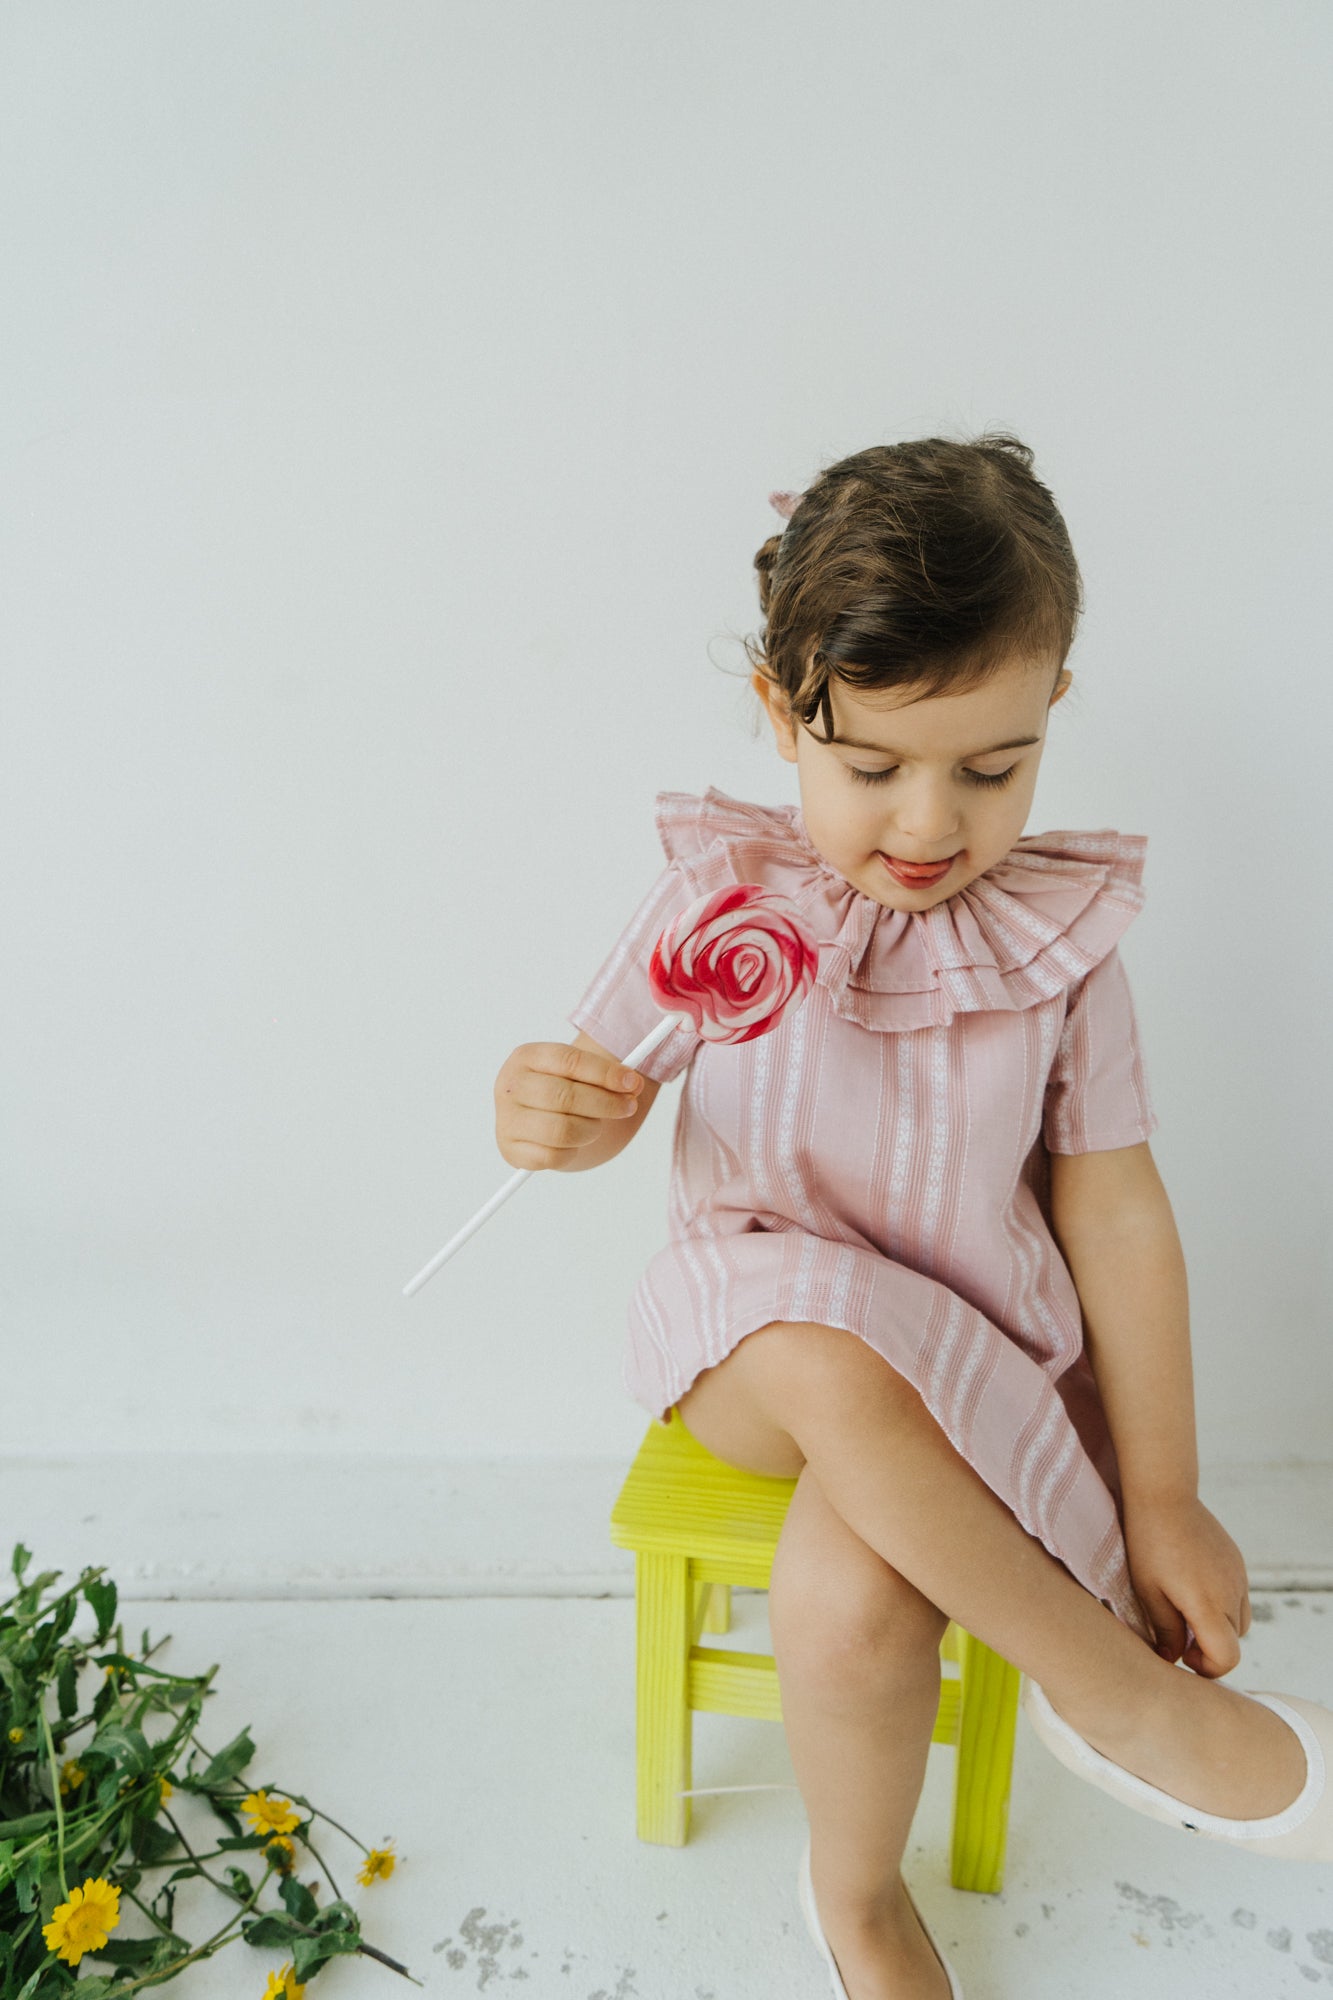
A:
(775, 706)
(1062, 686)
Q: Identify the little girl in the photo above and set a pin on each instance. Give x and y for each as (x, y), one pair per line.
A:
(920, 1255)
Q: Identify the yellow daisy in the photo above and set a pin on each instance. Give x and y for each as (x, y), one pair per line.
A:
(379, 1861)
(282, 1985)
(165, 1788)
(16, 1735)
(280, 1851)
(72, 1775)
(82, 1923)
(270, 1815)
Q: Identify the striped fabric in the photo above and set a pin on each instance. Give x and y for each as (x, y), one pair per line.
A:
(879, 1162)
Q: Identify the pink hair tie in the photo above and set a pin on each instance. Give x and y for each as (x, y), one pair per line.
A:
(784, 503)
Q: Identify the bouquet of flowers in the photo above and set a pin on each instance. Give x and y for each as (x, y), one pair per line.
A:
(86, 1826)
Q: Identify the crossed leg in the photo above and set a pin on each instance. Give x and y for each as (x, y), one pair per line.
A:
(799, 1398)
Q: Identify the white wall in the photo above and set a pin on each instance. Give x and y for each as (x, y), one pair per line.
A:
(391, 393)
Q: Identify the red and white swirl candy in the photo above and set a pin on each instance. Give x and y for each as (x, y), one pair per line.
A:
(734, 961)
(730, 964)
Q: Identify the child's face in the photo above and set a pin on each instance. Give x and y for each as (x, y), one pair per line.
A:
(932, 800)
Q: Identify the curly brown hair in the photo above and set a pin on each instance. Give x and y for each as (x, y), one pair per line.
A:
(924, 566)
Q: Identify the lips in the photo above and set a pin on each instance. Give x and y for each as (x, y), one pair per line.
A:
(917, 875)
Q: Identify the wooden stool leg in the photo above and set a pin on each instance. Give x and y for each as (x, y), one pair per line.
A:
(988, 1715)
(664, 1607)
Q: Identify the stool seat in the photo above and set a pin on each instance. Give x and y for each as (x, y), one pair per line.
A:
(697, 1527)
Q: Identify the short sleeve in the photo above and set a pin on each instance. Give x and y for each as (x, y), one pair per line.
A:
(618, 1009)
(1097, 1091)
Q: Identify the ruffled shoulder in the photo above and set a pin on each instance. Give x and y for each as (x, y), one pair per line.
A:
(1031, 926)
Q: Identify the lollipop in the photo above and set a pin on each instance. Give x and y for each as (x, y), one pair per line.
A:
(730, 965)
(734, 961)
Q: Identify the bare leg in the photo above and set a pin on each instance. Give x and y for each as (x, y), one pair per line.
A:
(858, 1657)
(875, 1449)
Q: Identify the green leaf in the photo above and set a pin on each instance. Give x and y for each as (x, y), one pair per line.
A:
(19, 1561)
(67, 1684)
(144, 1670)
(29, 1598)
(298, 1899)
(338, 1916)
(272, 1929)
(65, 1614)
(127, 1748)
(229, 1761)
(179, 1875)
(82, 1838)
(30, 1823)
(154, 1843)
(153, 1952)
(339, 1935)
(29, 1986)
(27, 1875)
(130, 1951)
(102, 1601)
(241, 1883)
(309, 1955)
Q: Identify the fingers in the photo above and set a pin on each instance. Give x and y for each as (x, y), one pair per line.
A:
(1168, 1627)
(552, 1098)
(576, 1083)
(1215, 1650)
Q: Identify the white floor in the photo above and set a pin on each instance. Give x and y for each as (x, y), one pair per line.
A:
(491, 1739)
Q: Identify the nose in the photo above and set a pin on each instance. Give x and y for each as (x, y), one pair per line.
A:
(926, 814)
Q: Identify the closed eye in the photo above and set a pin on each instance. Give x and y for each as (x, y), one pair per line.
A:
(973, 777)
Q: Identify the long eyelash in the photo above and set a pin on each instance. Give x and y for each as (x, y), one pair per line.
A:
(973, 777)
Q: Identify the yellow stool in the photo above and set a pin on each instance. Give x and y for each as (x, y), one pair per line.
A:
(697, 1526)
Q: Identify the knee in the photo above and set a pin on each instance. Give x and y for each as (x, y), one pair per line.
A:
(819, 1379)
(856, 1642)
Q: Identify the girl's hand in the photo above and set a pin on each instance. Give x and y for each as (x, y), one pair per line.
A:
(553, 1099)
(1190, 1579)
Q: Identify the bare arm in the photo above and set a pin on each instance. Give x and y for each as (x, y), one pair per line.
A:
(1114, 1224)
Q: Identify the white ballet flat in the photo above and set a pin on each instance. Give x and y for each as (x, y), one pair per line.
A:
(806, 1891)
(1302, 1831)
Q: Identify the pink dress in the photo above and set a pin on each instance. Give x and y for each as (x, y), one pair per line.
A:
(879, 1161)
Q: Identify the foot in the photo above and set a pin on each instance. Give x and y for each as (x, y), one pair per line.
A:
(886, 1957)
(1203, 1743)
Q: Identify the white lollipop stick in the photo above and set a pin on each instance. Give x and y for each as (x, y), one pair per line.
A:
(631, 1061)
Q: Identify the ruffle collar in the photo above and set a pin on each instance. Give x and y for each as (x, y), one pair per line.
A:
(1029, 927)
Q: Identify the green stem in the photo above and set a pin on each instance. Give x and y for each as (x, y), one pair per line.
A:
(64, 1730)
(384, 1959)
(60, 1811)
(297, 1799)
(100, 1814)
(325, 1866)
(223, 1888)
(151, 1915)
(203, 1950)
(31, 1617)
